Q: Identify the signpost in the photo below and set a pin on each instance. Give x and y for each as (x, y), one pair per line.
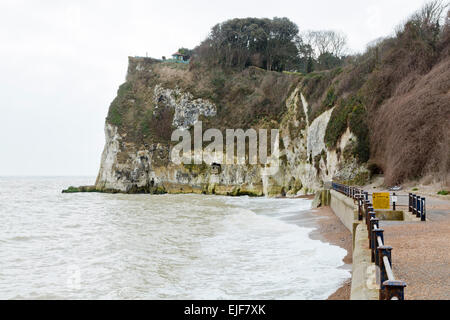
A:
(394, 201)
(380, 200)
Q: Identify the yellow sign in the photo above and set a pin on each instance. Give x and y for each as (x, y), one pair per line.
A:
(380, 200)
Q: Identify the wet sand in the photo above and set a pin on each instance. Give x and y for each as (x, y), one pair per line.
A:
(331, 229)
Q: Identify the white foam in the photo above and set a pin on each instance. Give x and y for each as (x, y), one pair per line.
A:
(262, 257)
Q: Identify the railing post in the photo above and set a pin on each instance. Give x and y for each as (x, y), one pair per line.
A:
(410, 202)
(418, 209)
(369, 233)
(423, 213)
(393, 202)
(383, 251)
(370, 226)
(366, 212)
(360, 217)
(414, 204)
(372, 240)
(393, 288)
(370, 215)
(375, 234)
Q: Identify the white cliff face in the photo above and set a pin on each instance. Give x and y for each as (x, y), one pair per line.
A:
(339, 165)
(306, 161)
(106, 177)
(299, 175)
(309, 161)
(316, 134)
(305, 108)
(187, 109)
(121, 176)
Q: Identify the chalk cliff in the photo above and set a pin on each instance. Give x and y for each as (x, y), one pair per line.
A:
(385, 111)
(159, 97)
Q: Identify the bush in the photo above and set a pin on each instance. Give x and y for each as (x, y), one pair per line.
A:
(330, 99)
(349, 113)
(146, 123)
(124, 93)
(443, 192)
(114, 116)
(337, 124)
(358, 125)
(218, 81)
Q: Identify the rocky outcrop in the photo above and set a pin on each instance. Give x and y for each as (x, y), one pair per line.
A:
(187, 108)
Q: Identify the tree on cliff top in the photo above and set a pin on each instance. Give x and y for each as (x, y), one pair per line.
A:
(322, 49)
(265, 43)
(272, 44)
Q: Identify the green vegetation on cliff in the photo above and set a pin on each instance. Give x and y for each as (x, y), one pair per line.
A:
(349, 113)
(114, 114)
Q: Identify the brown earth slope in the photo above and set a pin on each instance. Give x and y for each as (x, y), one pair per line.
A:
(399, 90)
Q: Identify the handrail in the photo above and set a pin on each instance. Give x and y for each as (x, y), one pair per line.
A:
(388, 268)
(390, 289)
(416, 204)
(380, 242)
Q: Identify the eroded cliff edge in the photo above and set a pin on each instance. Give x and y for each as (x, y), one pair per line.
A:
(159, 97)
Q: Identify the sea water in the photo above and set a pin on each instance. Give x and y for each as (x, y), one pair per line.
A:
(117, 246)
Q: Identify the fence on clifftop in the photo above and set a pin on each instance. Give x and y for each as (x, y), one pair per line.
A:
(390, 288)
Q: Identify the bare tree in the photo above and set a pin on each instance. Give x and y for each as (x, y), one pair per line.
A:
(430, 14)
(338, 42)
(325, 41)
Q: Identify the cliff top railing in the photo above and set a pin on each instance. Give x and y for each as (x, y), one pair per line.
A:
(390, 288)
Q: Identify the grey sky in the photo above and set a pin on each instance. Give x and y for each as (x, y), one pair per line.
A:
(61, 62)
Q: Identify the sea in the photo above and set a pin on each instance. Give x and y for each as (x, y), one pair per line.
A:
(122, 246)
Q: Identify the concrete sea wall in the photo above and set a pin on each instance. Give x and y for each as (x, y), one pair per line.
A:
(345, 208)
(363, 286)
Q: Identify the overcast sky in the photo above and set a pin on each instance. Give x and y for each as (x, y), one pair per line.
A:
(61, 62)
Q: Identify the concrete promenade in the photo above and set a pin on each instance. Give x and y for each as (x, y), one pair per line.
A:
(421, 250)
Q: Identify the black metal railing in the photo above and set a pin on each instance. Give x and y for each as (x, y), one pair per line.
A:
(390, 288)
(417, 206)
